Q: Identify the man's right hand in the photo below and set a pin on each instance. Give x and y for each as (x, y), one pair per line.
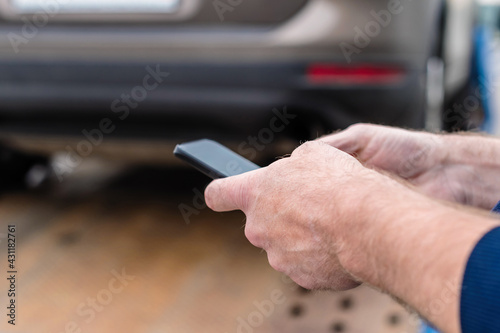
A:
(459, 168)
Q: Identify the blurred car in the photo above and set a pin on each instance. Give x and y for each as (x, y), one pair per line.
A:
(174, 70)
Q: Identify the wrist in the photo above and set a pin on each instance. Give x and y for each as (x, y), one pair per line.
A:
(367, 210)
(471, 149)
(385, 221)
(412, 247)
(472, 163)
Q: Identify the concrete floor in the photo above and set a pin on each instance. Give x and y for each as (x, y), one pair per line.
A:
(76, 237)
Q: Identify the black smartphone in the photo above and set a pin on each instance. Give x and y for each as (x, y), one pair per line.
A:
(213, 159)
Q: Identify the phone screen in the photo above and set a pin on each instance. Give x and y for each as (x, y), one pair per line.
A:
(213, 159)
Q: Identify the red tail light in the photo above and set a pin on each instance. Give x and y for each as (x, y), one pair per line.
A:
(355, 74)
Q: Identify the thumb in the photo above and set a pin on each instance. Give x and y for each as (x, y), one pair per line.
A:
(229, 194)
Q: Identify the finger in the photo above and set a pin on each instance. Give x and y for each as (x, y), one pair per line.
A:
(229, 194)
(351, 140)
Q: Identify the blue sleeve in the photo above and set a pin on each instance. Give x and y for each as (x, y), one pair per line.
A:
(480, 298)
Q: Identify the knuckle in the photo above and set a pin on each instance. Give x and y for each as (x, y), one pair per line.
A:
(240, 194)
(276, 263)
(309, 145)
(305, 282)
(245, 190)
(306, 148)
(253, 236)
(359, 129)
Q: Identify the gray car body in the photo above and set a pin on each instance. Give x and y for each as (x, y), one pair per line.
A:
(227, 68)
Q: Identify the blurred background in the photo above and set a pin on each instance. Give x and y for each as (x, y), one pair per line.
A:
(113, 233)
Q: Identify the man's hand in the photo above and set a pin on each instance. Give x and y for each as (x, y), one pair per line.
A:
(459, 168)
(328, 222)
(293, 208)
